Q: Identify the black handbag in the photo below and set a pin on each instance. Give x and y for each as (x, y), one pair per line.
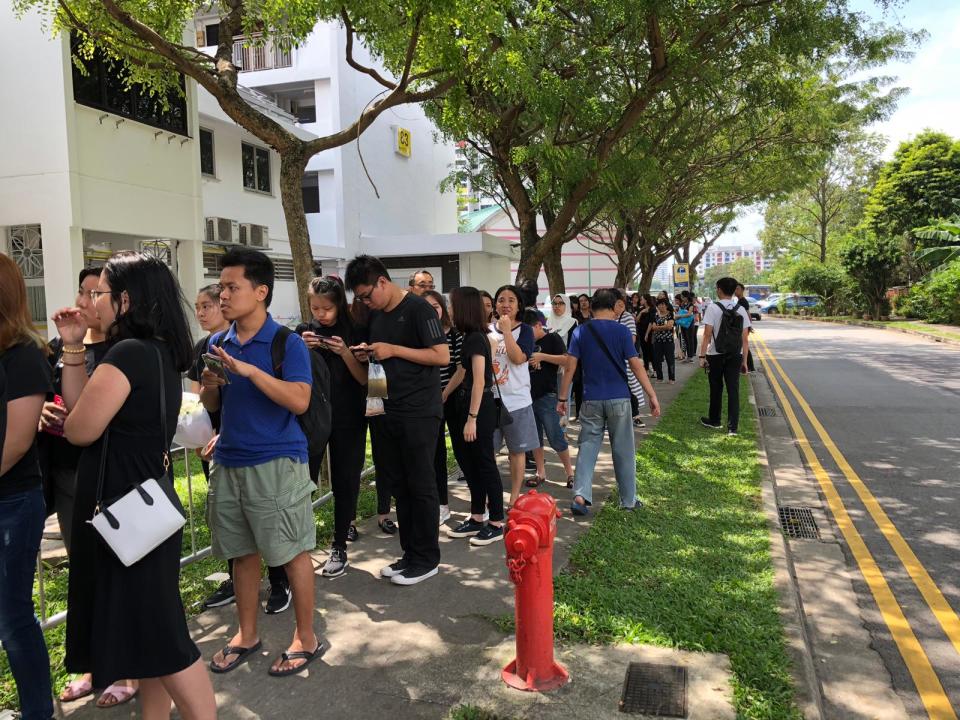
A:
(504, 417)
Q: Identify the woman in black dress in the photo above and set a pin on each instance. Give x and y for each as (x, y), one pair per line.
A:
(128, 622)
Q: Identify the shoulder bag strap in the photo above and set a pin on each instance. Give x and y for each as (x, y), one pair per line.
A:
(606, 351)
(164, 447)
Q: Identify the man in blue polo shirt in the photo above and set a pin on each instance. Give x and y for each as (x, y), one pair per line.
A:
(259, 499)
(605, 348)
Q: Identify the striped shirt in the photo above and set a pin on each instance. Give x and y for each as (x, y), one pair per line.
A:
(455, 343)
(636, 390)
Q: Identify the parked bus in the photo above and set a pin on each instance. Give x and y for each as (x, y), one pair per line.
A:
(757, 292)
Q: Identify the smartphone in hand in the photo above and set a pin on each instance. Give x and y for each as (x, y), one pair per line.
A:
(215, 365)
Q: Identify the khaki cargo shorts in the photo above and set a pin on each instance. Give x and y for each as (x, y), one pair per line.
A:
(264, 509)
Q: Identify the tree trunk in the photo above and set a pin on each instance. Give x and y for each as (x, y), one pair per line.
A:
(529, 237)
(626, 270)
(554, 270)
(291, 195)
(647, 267)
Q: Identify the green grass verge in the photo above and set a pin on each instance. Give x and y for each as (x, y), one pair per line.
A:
(693, 569)
(193, 584)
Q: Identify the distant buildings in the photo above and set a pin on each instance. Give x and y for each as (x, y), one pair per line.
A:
(728, 253)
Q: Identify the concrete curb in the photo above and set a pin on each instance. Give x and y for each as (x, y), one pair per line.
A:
(860, 323)
(809, 693)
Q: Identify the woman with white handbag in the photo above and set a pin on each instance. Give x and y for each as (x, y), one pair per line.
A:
(125, 618)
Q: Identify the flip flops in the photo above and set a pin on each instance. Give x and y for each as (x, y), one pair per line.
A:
(76, 689)
(300, 655)
(242, 654)
(535, 481)
(121, 693)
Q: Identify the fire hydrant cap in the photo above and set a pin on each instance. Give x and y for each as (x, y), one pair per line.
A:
(536, 503)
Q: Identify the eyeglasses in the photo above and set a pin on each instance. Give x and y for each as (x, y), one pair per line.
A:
(426, 286)
(95, 294)
(365, 297)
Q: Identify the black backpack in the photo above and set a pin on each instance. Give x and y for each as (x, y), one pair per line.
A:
(317, 421)
(729, 338)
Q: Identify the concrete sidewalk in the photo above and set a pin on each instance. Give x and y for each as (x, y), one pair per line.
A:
(408, 652)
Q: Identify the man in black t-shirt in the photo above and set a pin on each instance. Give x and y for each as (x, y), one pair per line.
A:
(549, 354)
(744, 302)
(407, 338)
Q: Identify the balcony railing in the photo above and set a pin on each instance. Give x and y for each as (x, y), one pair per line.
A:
(251, 53)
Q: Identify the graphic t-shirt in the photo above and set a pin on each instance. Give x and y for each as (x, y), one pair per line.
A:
(513, 381)
(413, 390)
(664, 335)
(601, 379)
(544, 380)
(27, 373)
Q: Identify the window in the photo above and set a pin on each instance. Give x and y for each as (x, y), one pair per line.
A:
(311, 193)
(256, 167)
(213, 34)
(207, 166)
(102, 84)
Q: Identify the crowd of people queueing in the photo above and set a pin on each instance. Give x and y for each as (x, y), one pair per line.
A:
(489, 370)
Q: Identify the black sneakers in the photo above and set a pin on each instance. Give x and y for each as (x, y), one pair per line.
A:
(412, 576)
(279, 599)
(467, 528)
(352, 534)
(223, 595)
(489, 534)
(394, 568)
(705, 421)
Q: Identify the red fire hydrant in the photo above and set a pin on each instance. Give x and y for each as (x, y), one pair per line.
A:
(531, 529)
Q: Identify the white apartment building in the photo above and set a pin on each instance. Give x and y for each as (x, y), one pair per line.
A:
(94, 168)
(727, 254)
(399, 213)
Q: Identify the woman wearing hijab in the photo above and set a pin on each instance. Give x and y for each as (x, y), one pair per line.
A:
(560, 320)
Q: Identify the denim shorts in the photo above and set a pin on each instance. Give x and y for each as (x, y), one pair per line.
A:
(548, 421)
(265, 509)
(521, 434)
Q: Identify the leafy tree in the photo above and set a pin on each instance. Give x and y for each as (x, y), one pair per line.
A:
(556, 119)
(937, 297)
(915, 188)
(147, 37)
(806, 223)
(828, 280)
(872, 261)
(943, 240)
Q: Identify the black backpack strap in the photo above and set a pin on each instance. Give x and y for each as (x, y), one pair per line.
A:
(278, 350)
(606, 351)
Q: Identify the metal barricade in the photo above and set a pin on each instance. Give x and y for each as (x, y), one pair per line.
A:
(195, 554)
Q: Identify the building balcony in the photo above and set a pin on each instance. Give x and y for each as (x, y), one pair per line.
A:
(252, 53)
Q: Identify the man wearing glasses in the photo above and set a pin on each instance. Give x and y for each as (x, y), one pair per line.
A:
(420, 282)
(407, 339)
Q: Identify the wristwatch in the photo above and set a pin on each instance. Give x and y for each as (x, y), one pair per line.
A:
(473, 415)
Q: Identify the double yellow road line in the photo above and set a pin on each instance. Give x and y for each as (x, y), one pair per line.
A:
(925, 678)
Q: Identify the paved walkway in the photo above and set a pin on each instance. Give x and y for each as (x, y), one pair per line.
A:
(394, 652)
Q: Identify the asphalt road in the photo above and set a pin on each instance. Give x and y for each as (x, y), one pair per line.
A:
(891, 404)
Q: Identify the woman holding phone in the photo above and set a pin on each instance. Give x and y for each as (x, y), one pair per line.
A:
(331, 332)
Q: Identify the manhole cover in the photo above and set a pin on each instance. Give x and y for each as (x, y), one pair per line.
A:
(767, 411)
(798, 522)
(651, 689)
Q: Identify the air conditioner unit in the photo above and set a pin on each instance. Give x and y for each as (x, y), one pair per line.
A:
(222, 231)
(259, 236)
(243, 237)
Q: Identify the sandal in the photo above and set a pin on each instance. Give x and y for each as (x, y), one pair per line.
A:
(300, 655)
(120, 693)
(387, 526)
(569, 481)
(76, 689)
(242, 654)
(535, 481)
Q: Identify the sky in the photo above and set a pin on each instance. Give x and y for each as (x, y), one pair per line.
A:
(932, 77)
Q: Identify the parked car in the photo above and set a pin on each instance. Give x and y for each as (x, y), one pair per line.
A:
(754, 310)
(772, 299)
(792, 303)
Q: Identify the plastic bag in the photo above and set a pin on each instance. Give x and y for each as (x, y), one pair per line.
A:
(194, 429)
(376, 380)
(374, 407)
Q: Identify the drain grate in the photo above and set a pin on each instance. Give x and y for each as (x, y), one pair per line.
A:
(651, 689)
(767, 411)
(798, 522)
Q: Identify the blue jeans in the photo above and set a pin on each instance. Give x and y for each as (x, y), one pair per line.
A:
(615, 416)
(21, 526)
(548, 421)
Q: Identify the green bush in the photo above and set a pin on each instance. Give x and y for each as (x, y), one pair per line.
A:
(937, 298)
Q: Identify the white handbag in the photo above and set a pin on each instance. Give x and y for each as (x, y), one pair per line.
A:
(143, 518)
